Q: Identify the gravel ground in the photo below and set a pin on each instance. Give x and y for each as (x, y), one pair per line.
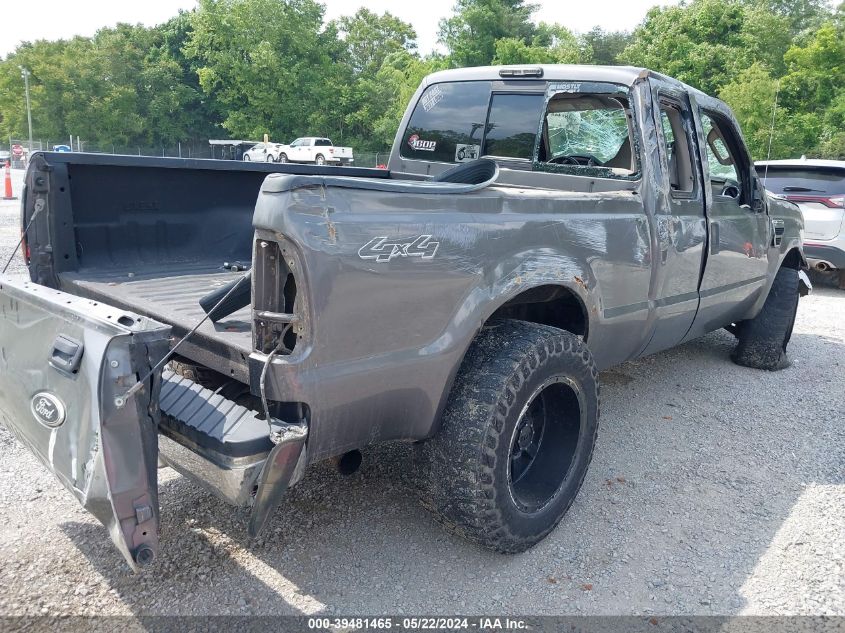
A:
(715, 489)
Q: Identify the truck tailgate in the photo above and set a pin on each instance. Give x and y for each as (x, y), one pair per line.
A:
(66, 364)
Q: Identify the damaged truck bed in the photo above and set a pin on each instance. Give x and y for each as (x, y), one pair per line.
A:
(536, 225)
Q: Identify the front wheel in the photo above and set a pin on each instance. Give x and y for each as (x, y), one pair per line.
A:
(516, 439)
(246, 157)
(762, 340)
(320, 160)
(269, 159)
(283, 158)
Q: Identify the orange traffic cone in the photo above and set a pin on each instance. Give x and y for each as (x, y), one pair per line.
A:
(8, 195)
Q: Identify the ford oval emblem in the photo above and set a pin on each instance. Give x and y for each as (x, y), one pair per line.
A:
(47, 409)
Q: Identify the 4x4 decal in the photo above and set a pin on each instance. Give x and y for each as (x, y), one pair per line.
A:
(383, 251)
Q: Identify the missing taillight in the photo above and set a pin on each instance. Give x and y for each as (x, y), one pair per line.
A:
(275, 317)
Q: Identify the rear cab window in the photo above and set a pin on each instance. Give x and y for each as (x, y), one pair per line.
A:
(449, 117)
(586, 133)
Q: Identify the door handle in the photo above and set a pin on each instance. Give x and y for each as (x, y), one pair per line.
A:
(66, 354)
(714, 238)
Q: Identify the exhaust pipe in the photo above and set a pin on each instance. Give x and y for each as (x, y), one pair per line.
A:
(349, 462)
(823, 267)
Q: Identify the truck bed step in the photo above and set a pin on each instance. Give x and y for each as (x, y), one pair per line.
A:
(219, 427)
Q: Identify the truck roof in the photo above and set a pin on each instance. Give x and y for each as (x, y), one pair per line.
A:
(623, 75)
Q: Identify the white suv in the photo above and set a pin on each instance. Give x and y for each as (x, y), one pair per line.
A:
(818, 188)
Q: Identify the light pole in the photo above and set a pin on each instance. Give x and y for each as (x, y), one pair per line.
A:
(25, 74)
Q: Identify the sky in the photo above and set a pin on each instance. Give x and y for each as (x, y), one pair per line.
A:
(56, 19)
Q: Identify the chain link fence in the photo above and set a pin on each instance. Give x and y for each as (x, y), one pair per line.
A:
(19, 150)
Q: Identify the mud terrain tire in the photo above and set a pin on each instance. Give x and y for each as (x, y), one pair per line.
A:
(522, 387)
(762, 340)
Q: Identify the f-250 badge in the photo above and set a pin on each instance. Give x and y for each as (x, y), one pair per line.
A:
(383, 251)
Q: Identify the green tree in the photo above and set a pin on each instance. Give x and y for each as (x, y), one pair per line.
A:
(752, 96)
(551, 44)
(471, 34)
(268, 65)
(605, 47)
(370, 38)
(816, 71)
(707, 42)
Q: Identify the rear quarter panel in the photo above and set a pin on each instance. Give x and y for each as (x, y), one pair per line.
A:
(385, 338)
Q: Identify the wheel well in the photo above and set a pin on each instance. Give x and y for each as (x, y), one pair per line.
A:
(557, 306)
(792, 260)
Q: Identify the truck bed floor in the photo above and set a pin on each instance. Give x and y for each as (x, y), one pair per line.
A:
(171, 295)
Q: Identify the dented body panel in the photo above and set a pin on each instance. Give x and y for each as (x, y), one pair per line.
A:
(66, 364)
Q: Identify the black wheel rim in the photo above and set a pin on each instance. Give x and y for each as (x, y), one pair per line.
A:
(544, 444)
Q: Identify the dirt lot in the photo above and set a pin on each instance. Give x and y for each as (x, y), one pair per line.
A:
(715, 489)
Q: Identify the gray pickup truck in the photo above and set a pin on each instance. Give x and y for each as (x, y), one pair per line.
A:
(536, 225)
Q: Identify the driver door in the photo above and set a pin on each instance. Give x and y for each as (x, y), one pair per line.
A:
(738, 228)
(295, 150)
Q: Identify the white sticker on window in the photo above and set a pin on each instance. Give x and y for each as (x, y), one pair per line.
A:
(432, 97)
(421, 145)
(465, 153)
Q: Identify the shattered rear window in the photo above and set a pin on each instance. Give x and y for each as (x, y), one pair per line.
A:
(598, 133)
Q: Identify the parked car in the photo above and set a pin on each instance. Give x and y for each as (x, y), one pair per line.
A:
(263, 152)
(312, 149)
(818, 188)
(465, 307)
(5, 156)
(62, 148)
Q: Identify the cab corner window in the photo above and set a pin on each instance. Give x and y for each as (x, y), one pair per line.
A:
(448, 123)
(588, 130)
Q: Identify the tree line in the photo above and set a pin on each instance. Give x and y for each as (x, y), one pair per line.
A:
(243, 68)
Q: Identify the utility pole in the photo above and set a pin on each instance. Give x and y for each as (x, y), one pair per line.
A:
(25, 74)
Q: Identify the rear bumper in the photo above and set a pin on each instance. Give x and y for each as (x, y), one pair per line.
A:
(832, 253)
(213, 440)
(232, 480)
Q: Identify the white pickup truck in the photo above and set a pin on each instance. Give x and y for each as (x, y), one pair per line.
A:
(313, 149)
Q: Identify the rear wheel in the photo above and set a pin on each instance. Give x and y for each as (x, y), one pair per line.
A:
(269, 159)
(283, 158)
(320, 160)
(762, 340)
(247, 158)
(516, 439)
